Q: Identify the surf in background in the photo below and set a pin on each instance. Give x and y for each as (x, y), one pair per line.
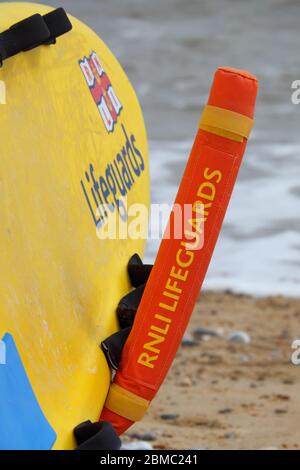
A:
(170, 49)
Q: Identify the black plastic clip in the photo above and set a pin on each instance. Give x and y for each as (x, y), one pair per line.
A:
(113, 347)
(126, 311)
(96, 436)
(138, 271)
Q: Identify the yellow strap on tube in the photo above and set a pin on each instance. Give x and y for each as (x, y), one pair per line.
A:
(125, 403)
(226, 123)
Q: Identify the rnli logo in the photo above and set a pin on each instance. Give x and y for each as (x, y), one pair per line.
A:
(102, 90)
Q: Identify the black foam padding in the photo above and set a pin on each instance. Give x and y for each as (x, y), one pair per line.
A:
(32, 32)
(138, 271)
(58, 23)
(96, 436)
(3, 53)
(113, 347)
(24, 35)
(128, 306)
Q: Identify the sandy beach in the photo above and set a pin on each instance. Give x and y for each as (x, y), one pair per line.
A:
(221, 394)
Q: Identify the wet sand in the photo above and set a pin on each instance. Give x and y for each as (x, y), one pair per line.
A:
(227, 395)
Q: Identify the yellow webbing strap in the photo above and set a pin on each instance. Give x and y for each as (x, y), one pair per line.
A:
(226, 123)
(125, 403)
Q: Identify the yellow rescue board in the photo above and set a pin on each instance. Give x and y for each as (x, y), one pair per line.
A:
(72, 132)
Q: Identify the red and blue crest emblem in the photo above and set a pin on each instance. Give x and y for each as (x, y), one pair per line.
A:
(102, 90)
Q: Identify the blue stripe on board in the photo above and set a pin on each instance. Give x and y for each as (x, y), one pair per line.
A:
(23, 425)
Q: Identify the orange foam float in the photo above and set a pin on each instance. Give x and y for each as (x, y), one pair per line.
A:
(181, 264)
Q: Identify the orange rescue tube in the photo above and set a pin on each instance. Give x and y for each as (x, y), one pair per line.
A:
(181, 265)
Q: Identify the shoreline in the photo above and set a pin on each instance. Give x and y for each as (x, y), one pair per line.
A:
(222, 394)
